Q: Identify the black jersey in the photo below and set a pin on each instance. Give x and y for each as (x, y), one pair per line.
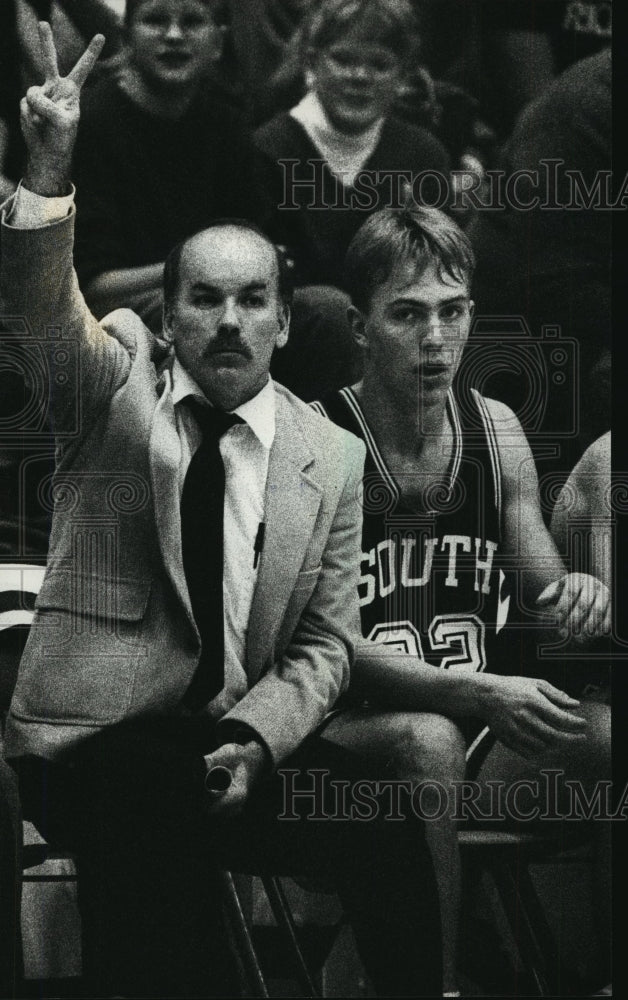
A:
(431, 583)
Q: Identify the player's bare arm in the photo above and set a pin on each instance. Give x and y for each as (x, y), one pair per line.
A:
(525, 713)
(577, 604)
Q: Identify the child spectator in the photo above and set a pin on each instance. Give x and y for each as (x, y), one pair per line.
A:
(553, 255)
(355, 56)
(159, 155)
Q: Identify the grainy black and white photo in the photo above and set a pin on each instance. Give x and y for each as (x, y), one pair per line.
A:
(308, 520)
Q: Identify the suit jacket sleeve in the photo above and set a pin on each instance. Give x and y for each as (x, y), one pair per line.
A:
(39, 288)
(293, 697)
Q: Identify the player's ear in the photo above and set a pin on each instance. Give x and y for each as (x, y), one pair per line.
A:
(471, 308)
(358, 327)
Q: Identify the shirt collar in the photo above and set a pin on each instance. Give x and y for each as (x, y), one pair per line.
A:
(258, 412)
(310, 113)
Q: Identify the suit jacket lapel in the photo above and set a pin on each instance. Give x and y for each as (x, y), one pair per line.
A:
(165, 458)
(291, 505)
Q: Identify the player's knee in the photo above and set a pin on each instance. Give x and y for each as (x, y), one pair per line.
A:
(444, 748)
(426, 746)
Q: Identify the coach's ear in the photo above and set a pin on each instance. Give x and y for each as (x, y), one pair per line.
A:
(358, 328)
(167, 333)
(283, 325)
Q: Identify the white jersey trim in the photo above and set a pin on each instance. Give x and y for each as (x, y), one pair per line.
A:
(319, 408)
(493, 449)
(457, 426)
(352, 402)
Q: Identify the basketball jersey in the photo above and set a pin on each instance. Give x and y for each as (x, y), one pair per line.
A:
(431, 583)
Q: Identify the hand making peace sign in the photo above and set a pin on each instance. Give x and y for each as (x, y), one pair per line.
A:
(50, 116)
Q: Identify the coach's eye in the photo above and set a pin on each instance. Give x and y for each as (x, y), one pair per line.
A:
(207, 299)
(193, 22)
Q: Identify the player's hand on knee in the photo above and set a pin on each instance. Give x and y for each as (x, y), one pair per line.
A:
(580, 605)
(232, 771)
(529, 715)
(49, 116)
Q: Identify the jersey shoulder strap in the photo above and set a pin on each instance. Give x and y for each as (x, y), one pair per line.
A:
(343, 409)
(492, 447)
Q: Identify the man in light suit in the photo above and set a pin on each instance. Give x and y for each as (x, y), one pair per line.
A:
(110, 747)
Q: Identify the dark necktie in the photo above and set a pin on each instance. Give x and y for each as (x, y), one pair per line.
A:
(202, 517)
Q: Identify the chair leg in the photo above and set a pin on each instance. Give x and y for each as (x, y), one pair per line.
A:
(561, 980)
(255, 982)
(283, 916)
(522, 926)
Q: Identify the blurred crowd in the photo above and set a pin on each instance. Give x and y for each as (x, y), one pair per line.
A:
(496, 112)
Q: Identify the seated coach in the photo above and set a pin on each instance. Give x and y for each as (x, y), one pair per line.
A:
(199, 604)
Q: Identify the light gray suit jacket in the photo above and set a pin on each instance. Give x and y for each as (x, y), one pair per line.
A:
(114, 636)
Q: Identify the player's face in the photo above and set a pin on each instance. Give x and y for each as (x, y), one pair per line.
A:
(415, 331)
(173, 42)
(356, 81)
(227, 316)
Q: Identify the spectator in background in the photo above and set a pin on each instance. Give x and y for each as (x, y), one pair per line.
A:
(159, 155)
(505, 54)
(552, 265)
(261, 31)
(355, 56)
(345, 151)
(527, 44)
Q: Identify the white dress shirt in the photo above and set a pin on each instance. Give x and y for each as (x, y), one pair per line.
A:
(245, 450)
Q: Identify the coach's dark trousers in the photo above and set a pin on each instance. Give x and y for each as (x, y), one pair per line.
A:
(130, 803)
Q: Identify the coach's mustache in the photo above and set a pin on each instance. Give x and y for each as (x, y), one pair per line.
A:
(227, 342)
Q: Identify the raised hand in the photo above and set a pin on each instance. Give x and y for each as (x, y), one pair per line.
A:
(581, 605)
(50, 115)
